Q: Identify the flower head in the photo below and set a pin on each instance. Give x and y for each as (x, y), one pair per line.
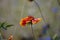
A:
(29, 19)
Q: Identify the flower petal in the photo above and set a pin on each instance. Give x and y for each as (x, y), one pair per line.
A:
(29, 19)
(22, 22)
(36, 20)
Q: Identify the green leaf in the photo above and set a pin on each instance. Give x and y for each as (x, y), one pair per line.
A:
(2, 24)
(4, 28)
(8, 26)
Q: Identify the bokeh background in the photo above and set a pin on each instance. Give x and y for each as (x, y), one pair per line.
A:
(12, 11)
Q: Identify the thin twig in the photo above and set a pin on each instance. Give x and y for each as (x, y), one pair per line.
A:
(40, 11)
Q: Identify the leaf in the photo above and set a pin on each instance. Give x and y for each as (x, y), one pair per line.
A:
(2, 24)
(8, 26)
(4, 28)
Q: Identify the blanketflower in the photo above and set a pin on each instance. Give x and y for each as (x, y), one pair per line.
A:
(29, 19)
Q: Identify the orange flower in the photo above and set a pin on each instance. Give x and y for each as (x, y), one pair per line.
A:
(28, 19)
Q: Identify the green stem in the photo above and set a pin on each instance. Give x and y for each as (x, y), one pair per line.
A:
(33, 32)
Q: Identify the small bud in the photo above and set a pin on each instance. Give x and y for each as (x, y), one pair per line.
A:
(10, 37)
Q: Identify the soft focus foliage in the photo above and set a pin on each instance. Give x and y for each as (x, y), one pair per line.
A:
(3, 25)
